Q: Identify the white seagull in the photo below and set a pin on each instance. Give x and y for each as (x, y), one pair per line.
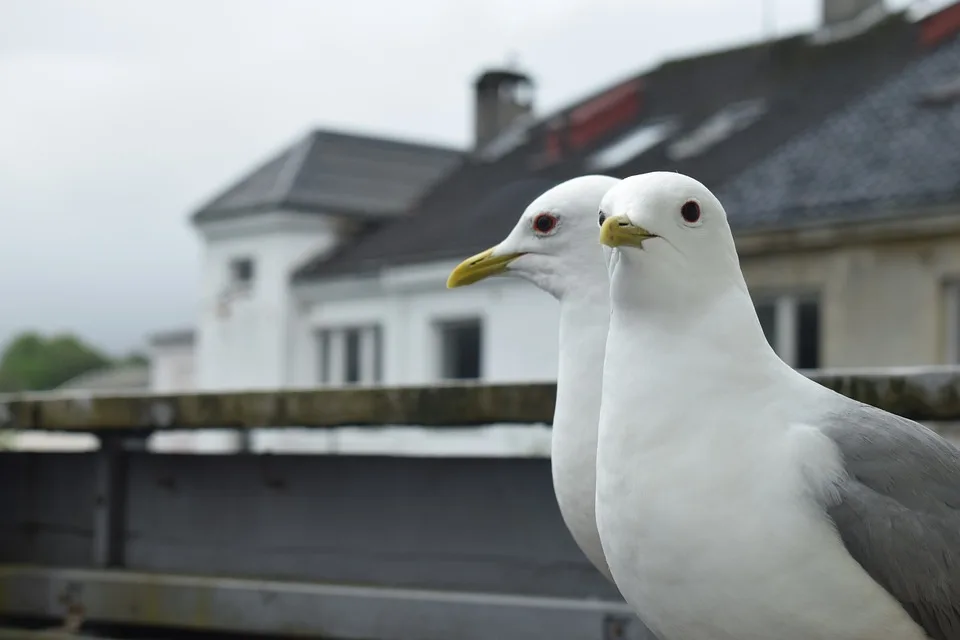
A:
(554, 246)
(736, 498)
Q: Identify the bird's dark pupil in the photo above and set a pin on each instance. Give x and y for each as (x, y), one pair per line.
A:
(602, 218)
(544, 223)
(690, 211)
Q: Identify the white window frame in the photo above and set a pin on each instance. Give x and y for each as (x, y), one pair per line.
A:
(785, 317)
(951, 299)
(439, 326)
(632, 144)
(723, 124)
(331, 351)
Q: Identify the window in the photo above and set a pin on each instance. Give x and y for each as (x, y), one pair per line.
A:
(723, 124)
(460, 349)
(952, 324)
(241, 271)
(792, 326)
(350, 355)
(631, 145)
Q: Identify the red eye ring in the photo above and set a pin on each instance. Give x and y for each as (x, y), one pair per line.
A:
(544, 223)
(690, 212)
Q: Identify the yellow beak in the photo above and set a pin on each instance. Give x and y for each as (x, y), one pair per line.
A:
(479, 267)
(618, 231)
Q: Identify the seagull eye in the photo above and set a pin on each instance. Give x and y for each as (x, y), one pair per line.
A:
(602, 218)
(690, 212)
(544, 223)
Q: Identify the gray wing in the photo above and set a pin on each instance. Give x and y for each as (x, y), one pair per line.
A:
(899, 511)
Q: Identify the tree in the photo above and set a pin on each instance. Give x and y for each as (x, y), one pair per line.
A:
(31, 362)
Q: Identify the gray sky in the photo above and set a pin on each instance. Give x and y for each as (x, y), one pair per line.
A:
(118, 117)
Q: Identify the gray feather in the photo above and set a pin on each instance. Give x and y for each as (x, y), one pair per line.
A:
(899, 511)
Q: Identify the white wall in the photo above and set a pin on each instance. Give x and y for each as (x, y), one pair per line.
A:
(519, 323)
(172, 368)
(520, 327)
(247, 346)
(268, 338)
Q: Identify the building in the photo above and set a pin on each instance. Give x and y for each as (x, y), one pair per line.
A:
(173, 361)
(836, 153)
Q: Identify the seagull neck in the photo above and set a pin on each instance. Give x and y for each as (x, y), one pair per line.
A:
(722, 336)
(584, 319)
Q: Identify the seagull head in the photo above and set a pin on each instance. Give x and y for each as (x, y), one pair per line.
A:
(553, 244)
(670, 240)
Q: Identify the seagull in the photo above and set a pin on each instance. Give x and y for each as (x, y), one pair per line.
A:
(554, 246)
(736, 498)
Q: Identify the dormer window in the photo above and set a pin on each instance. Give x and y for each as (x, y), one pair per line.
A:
(241, 272)
(732, 119)
(634, 143)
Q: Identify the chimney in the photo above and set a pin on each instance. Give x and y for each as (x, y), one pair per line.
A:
(837, 12)
(502, 97)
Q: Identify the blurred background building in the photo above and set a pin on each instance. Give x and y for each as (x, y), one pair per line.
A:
(836, 153)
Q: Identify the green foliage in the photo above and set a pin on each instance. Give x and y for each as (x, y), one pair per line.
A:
(32, 362)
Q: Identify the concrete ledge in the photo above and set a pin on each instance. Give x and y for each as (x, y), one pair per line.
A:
(927, 394)
(309, 610)
(436, 406)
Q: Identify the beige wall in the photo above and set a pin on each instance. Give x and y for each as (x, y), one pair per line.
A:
(882, 302)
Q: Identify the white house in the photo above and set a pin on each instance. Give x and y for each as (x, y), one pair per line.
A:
(326, 265)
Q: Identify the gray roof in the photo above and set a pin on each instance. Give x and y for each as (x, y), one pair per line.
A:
(336, 173)
(896, 148)
(133, 376)
(791, 85)
(175, 337)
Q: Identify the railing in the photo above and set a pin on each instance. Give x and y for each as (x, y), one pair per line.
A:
(923, 394)
(346, 546)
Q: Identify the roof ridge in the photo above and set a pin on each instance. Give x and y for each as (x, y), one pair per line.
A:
(292, 165)
(235, 184)
(394, 139)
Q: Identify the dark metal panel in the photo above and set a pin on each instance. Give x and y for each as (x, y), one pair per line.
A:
(110, 502)
(484, 524)
(309, 610)
(46, 502)
(480, 524)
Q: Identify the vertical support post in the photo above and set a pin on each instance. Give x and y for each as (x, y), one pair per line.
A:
(110, 503)
(244, 440)
(786, 315)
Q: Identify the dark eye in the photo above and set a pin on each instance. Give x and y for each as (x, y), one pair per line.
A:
(690, 212)
(602, 218)
(544, 223)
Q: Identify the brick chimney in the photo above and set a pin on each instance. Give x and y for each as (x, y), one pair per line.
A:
(502, 97)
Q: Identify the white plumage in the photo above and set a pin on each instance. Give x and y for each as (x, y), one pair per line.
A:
(568, 262)
(737, 499)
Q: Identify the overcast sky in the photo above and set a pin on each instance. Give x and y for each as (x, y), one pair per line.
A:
(118, 117)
